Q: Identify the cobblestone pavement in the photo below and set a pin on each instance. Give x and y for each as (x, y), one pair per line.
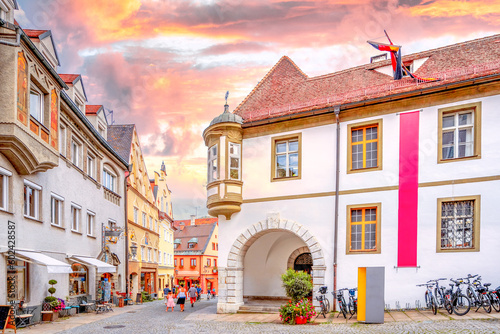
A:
(200, 319)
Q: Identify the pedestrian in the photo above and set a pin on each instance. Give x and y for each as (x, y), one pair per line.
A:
(213, 293)
(208, 293)
(169, 301)
(181, 297)
(166, 291)
(198, 290)
(192, 294)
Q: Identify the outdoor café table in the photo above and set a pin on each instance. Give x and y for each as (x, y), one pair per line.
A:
(88, 306)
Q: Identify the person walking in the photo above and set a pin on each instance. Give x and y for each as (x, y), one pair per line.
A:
(193, 293)
(169, 301)
(181, 297)
(198, 290)
(166, 290)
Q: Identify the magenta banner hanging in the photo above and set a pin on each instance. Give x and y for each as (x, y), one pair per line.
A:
(408, 189)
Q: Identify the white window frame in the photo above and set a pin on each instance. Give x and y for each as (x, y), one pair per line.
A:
(212, 167)
(144, 219)
(165, 234)
(91, 166)
(76, 152)
(136, 215)
(151, 227)
(36, 190)
(108, 180)
(62, 139)
(59, 200)
(90, 223)
(232, 155)
(76, 211)
(287, 153)
(456, 129)
(37, 114)
(142, 254)
(4, 200)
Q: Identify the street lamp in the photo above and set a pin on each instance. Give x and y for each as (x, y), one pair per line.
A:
(133, 250)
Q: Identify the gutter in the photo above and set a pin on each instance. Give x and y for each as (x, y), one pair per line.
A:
(127, 277)
(337, 186)
(84, 119)
(11, 26)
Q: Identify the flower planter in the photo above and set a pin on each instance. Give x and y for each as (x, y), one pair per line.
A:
(300, 320)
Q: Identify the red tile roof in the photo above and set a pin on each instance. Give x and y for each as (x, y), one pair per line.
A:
(92, 109)
(69, 78)
(202, 232)
(286, 90)
(199, 221)
(31, 33)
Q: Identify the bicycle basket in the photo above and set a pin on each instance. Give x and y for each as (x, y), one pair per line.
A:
(352, 292)
(323, 290)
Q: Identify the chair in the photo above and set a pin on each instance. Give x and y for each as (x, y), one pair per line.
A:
(24, 316)
(87, 305)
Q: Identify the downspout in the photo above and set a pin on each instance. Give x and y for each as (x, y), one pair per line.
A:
(10, 26)
(337, 182)
(127, 276)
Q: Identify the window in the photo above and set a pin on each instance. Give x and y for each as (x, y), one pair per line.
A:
(78, 280)
(234, 161)
(56, 206)
(365, 149)
(162, 207)
(31, 199)
(286, 160)
(182, 263)
(164, 258)
(215, 262)
(363, 228)
(459, 132)
(151, 223)
(458, 224)
(149, 254)
(193, 262)
(213, 245)
(75, 217)
(62, 140)
(136, 213)
(76, 153)
(209, 262)
(90, 223)
(143, 258)
(175, 262)
(159, 257)
(4, 188)
(19, 271)
(36, 103)
(108, 180)
(212, 164)
(164, 234)
(217, 246)
(144, 219)
(91, 166)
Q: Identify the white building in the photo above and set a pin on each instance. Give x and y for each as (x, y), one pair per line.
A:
(60, 181)
(415, 190)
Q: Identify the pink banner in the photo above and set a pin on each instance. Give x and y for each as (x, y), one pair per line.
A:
(408, 189)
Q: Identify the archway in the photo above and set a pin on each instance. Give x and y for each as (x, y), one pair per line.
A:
(231, 278)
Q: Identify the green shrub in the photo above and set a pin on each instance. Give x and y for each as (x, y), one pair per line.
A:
(297, 284)
(52, 282)
(52, 290)
(50, 299)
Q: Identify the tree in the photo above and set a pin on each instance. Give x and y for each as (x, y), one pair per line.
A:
(297, 284)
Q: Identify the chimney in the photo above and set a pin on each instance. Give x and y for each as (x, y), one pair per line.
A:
(193, 220)
(181, 226)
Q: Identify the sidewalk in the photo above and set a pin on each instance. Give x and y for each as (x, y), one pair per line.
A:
(75, 321)
(208, 314)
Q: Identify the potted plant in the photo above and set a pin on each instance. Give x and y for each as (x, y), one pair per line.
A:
(297, 286)
(54, 304)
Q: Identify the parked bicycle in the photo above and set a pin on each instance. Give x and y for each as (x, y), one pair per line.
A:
(323, 301)
(430, 300)
(439, 291)
(339, 296)
(459, 301)
(353, 302)
(477, 293)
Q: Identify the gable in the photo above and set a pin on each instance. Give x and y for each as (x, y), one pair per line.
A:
(48, 48)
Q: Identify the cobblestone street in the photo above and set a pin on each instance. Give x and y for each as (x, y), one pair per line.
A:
(152, 318)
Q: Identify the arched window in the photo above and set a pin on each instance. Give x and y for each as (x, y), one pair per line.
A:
(78, 283)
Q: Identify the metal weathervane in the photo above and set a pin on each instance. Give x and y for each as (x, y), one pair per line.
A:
(227, 94)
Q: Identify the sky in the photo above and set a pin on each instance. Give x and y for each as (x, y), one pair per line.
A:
(165, 65)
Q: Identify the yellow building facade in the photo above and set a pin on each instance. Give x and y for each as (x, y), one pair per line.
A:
(142, 214)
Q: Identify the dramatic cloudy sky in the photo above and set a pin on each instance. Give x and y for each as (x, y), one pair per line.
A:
(165, 65)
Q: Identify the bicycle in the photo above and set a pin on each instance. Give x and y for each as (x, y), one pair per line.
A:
(493, 296)
(430, 300)
(439, 292)
(477, 293)
(353, 302)
(460, 302)
(323, 301)
(339, 295)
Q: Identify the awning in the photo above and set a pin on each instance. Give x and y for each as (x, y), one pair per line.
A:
(53, 266)
(185, 273)
(102, 267)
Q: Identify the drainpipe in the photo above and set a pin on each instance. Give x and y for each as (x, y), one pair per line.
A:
(336, 109)
(10, 26)
(127, 276)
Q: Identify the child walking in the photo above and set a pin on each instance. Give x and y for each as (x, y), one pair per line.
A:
(170, 301)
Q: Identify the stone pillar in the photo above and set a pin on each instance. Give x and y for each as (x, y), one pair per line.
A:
(318, 281)
(230, 290)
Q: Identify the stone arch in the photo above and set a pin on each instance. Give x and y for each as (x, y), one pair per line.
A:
(295, 254)
(231, 277)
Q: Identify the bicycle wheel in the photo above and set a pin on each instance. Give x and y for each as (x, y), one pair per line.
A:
(448, 306)
(494, 301)
(428, 303)
(343, 309)
(461, 304)
(323, 309)
(327, 304)
(485, 303)
(434, 306)
(351, 307)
